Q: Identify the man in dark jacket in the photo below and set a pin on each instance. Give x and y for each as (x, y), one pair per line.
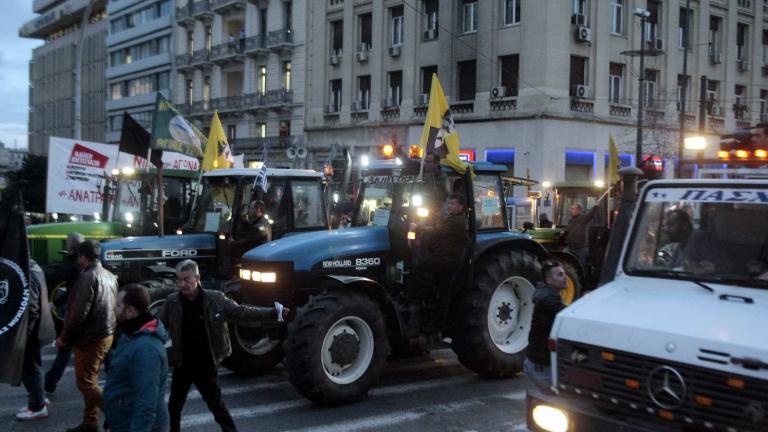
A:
(67, 271)
(576, 232)
(41, 332)
(88, 329)
(134, 396)
(196, 320)
(546, 304)
(254, 229)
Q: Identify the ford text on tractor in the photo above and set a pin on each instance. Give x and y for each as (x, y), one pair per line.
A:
(352, 290)
(215, 238)
(675, 340)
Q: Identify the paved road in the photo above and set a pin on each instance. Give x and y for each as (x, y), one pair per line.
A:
(429, 393)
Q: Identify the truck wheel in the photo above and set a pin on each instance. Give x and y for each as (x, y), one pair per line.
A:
(336, 347)
(492, 319)
(253, 352)
(573, 291)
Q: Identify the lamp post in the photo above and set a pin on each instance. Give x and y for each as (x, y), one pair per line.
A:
(684, 91)
(643, 14)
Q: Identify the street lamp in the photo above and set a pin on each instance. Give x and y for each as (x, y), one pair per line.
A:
(643, 15)
(695, 143)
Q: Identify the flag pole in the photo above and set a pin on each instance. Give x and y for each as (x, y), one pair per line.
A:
(160, 200)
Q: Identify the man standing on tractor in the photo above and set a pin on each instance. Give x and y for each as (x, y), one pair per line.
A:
(575, 234)
(255, 229)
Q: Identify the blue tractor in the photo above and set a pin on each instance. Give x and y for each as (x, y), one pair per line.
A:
(214, 238)
(351, 290)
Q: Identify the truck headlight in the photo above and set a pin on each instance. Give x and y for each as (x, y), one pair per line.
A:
(550, 418)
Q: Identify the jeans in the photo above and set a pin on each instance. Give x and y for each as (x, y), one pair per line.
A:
(207, 384)
(32, 374)
(88, 360)
(54, 374)
(579, 252)
(539, 375)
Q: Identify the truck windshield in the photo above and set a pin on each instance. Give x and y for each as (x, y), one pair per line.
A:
(702, 234)
(215, 207)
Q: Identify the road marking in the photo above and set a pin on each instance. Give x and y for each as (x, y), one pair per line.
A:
(230, 391)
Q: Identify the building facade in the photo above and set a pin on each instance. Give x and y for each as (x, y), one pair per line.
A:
(11, 159)
(535, 85)
(245, 59)
(140, 56)
(51, 71)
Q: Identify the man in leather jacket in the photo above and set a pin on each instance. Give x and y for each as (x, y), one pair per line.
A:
(196, 321)
(88, 329)
(254, 229)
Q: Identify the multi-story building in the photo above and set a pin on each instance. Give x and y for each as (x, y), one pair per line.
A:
(535, 85)
(244, 59)
(51, 71)
(140, 54)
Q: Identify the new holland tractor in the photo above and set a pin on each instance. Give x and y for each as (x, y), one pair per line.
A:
(214, 238)
(351, 290)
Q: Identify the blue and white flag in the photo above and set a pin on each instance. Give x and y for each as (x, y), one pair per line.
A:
(261, 179)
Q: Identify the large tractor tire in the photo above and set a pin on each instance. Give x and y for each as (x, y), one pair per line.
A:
(57, 277)
(492, 319)
(336, 347)
(253, 351)
(159, 288)
(573, 291)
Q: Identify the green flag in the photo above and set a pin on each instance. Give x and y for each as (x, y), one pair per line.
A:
(172, 132)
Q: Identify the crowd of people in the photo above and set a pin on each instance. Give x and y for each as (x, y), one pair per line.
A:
(109, 325)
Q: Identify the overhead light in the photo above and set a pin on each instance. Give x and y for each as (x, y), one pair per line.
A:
(128, 171)
(398, 161)
(55, 216)
(128, 217)
(364, 160)
(546, 184)
(335, 197)
(417, 201)
(422, 212)
(115, 172)
(695, 143)
(599, 183)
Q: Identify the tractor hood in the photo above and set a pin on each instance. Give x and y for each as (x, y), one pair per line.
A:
(170, 246)
(676, 320)
(304, 250)
(91, 230)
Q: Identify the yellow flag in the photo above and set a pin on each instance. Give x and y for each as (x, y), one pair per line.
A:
(613, 161)
(217, 152)
(437, 108)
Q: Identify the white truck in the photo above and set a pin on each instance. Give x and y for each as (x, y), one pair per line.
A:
(678, 339)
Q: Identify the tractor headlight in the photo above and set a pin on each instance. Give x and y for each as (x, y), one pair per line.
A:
(245, 274)
(422, 212)
(269, 277)
(257, 276)
(550, 419)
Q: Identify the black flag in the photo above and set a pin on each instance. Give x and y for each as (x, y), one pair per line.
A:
(134, 139)
(14, 287)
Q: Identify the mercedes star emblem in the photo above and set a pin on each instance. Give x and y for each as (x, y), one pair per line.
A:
(666, 387)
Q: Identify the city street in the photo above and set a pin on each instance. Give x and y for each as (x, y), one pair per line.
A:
(428, 393)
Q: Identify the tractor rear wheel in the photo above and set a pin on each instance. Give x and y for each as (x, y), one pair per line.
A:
(253, 351)
(492, 319)
(336, 347)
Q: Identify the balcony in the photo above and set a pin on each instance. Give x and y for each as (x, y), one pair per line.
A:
(655, 114)
(390, 113)
(582, 105)
(280, 40)
(184, 15)
(230, 52)
(226, 6)
(201, 57)
(202, 9)
(256, 46)
(618, 110)
(463, 107)
(183, 61)
(504, 104)
(272, 99)
(227, 104)
(259, 143)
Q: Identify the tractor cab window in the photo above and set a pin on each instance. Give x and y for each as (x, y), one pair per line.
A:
(276, 206)
(307, 204)
(128, 201)
(215, 211)
(375, 205)
(176, 194)
(702, 234)
(488, 204)
(588, 199)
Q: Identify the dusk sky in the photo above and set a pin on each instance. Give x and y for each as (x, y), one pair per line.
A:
(15, 53)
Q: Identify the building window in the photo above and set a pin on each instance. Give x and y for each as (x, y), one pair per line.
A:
(685, 29)
(334, 98)
(288, 15)
(337, 36)
(740, 102)
(713, 90)
(231, 132)
(714, 35)
(261, 83)
(650, 86)
(741, 41)
(116, 91)
(263, 24)
(431, 13)
(509, 72)
(395, 88)
(616, 83)
(512, 11)
(287, 75)
(364, 92)
(365, 21)
(163, 81)
(580, 9)
(765, 47)
(426, 78)
(652, 27)
(397, 25)
(469, 16)
(190, 42)
(190, 89)
(578, 75)
(206, 91)
(763, 106)
(617, 16)
(208, 38)
(261, 130)
(467, 77)
(683, 82)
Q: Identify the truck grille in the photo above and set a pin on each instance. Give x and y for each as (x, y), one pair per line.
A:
(694, 398)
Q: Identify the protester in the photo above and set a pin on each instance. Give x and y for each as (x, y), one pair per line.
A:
(444, 242)
(196, 321)
(576, 232)
(544, 221)
(88, 329)
(546, 304)
(40, 333)
(134, 395)
(68, 271)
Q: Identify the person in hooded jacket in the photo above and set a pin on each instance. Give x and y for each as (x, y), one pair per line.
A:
(134, 395)
(547, 303)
